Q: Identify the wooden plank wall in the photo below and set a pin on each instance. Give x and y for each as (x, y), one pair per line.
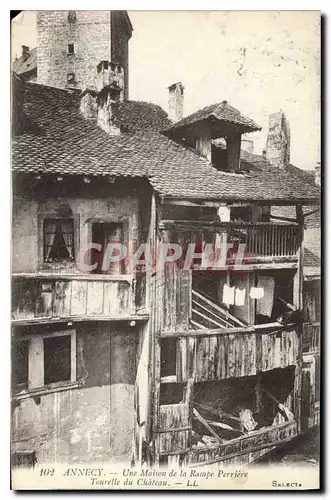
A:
(173, 299)
(226, 355)
(255, 441)
(174, 427)
(71, 298)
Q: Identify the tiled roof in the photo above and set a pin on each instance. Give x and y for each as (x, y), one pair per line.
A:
(220, 111)
(60, 140)
(23, 65)
(310, 259)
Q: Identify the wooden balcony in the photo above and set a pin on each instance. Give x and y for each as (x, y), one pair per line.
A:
(211, 355)
(264, 240)
(42, 298)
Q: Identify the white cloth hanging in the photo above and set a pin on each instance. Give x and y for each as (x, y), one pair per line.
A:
(228, 295)
(239, 298)
(256, 293)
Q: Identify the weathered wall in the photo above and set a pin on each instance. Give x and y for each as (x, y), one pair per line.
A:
(27, 236)
(94, 422)
(24, 235)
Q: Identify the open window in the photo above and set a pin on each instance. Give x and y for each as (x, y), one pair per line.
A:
(58, 240)
(43, 361)
(106, 234)
(274, 295)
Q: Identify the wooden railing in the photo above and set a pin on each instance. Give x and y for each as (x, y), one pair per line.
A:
(42, 297)
(211, 355)
(311, 337)
(262, 239)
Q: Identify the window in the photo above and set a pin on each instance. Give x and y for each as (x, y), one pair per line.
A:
(71, 49)
(57, 354)
(71, 78)
(106, 233)
(72, 17)
(44, 361)
(58, 240)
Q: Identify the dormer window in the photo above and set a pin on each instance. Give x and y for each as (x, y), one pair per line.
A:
(219, 154)
(71, 49)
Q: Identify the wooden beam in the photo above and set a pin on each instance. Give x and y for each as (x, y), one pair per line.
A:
(258, 329)
(294, 221)
(76, 319)
(205, 424)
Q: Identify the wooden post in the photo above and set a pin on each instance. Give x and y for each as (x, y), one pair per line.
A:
(298, 302)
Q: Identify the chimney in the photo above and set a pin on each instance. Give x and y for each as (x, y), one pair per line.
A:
(318, 174)
(99, 102)
(278, 140)
(25, 52)
(176, 101)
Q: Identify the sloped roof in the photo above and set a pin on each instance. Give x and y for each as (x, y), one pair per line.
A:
(60, 140)
(221, 111)
(23, 65)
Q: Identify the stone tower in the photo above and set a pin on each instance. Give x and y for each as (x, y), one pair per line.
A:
(72, 43)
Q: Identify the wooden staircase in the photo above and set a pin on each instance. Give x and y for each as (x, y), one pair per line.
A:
(207, 314)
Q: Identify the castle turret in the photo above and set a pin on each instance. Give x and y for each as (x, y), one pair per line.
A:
(72, 43)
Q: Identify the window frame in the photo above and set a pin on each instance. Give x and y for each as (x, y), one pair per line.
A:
(76, 237)
(57, 221)
(36, 370)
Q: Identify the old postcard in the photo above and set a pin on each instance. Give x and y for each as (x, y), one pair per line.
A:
(166, 184)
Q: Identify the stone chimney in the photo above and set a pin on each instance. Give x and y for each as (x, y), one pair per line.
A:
(318, 174)
(99, 102)
(25, 52)
(176, 101)
(278, 140)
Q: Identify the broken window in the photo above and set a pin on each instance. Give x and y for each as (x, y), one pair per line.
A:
(58, 240)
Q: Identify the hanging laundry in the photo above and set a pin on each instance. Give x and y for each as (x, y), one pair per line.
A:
(256, 293)
(265, 305)
(228, 295)
(239, 297)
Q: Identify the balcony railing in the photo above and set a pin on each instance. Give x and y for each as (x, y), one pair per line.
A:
(43, 297)
(211, 355)
(262, 239)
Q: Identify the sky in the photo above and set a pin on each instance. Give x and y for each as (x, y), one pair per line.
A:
(259, 61)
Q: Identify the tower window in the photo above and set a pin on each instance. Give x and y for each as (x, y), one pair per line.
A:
(71, 49)
(71, 78)
(71, 16)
